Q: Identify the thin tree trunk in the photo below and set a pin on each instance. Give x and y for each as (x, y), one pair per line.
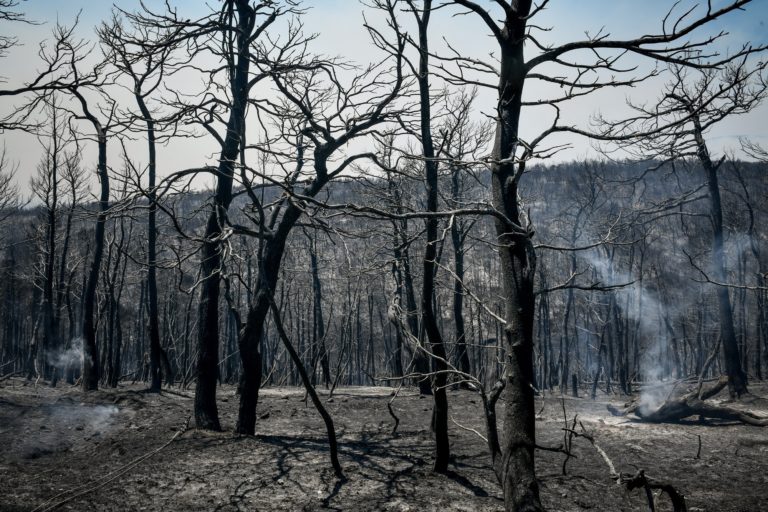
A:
(331, 431)
(457, 240)
(439, 380)
(90, 376)
(155, 349)
(317, 314)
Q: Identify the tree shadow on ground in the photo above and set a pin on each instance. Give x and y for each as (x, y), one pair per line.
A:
(387, 463)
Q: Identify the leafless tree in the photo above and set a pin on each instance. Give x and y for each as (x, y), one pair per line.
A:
(675, 128)
(422, 14)
(754, 150)
(10, 13)
(9, 193)
(233, 34)
(65, 62)
(462, 140)
(321, 112)
(47, 187)
(146, 71)
(576, 63)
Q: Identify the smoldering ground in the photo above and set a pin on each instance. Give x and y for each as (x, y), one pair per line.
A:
(639, 302)
(285, 466)
(52, 426)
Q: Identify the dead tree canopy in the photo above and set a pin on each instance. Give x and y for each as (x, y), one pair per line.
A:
(693, 403)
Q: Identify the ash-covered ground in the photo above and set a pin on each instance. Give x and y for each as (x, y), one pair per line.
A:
(109, 450)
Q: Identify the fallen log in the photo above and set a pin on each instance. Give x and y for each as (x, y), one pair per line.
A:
(638, 480)
(672, 410)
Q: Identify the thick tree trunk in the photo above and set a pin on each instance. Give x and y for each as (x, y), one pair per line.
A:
(517, 269)
(250, 357)
(206, 410)
(251, 336)
(737, 378)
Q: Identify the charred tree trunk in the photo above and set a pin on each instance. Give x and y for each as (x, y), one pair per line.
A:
(64, 288)
(155, 349)
(429, 320)
(599, 369)
(457, 239)
(206, 410)
(692, 404)
(50, 328)
(266, 282)
(404, 280)
(517, 259)
(90, 375)
(296, 359)
(737, 377)
(318, 341)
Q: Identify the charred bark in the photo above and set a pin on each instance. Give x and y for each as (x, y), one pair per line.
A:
(90, 375)
(429, 320)
(673, 410)
(206, 410)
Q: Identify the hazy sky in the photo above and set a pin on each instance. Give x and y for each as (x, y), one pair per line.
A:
(338, 24)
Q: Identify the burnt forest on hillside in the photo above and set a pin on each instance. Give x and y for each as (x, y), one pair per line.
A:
(456, 275)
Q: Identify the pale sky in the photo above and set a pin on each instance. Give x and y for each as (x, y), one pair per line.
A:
(338, 24)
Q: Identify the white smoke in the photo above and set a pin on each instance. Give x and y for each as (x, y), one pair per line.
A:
(68, 357)
(640, 305)
(95, 418)
(61, 423)
(101, 416)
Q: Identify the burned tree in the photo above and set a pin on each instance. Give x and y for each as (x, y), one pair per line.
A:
(462, 140)
(47, 186)
(404, 299)
(64, 61)
(233, 35)
(692, 403)
(422, 16)
(146, 71)
(674, 128)
(322, 115)
(574, 62)
(9, 193)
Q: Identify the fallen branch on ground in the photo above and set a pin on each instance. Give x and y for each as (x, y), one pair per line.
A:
(97, 484)
(394, 416)
(638, 480)
(691, 404)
